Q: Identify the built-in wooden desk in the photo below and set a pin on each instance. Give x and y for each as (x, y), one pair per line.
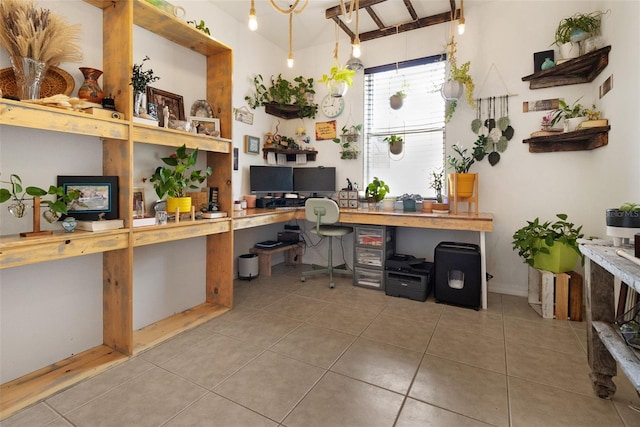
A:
(482, 223)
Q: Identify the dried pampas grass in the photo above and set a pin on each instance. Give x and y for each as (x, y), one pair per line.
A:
(32, 32)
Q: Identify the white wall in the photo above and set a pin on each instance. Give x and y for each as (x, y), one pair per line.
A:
(523, 185)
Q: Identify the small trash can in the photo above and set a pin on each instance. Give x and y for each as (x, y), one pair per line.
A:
(248, 267)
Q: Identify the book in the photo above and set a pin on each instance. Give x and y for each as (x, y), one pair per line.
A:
(268, 244)
(593, 123)
(109, 224)
(212, 215)
(147, 220)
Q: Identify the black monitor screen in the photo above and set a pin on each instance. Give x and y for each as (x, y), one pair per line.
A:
(314, 180)
(271, 179)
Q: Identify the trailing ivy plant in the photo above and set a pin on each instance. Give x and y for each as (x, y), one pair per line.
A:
(283, 92)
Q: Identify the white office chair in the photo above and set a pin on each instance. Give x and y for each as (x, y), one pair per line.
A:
(325, 212)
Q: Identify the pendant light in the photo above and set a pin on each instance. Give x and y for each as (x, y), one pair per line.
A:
(355, 47)
(461, 19)
(253, 21)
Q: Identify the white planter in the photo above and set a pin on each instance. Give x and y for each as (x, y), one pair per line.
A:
(569, 50)
(571, 124)
(452, 90)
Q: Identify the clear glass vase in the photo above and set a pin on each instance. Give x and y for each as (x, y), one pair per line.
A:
(29, 75)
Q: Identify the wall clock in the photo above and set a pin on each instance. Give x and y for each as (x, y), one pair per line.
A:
(332, 106)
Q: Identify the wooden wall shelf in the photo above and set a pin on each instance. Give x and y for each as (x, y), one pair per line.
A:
(583, 139)
(291, 154)
(582, 69)
(283, 111)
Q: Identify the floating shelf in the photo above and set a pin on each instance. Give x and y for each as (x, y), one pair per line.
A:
(291, 154)
(283, 111)
(583, 139)
(582, 69)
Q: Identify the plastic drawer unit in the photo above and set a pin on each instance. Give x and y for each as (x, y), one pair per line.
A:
(458, 274)
(372, 246)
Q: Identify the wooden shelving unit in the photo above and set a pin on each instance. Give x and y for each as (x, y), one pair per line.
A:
(582, 69)
(118, 138)
(291, 154)
(582, 139)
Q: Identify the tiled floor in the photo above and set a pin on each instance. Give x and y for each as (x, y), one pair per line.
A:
(301, 354)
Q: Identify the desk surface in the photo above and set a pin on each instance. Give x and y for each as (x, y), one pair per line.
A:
(462, 221)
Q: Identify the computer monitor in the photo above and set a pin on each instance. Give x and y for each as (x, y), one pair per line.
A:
(271, 179)
(314, 180)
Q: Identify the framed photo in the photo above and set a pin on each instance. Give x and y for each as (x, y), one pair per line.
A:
(98, 196)
(162, 98)
(139, 207)
(251, 144)
(206, 125)
(235, 158)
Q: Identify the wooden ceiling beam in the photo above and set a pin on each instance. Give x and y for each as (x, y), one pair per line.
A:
(335, 11)
(374, 16)
(344, 27)
(427, 21)
(411, 10)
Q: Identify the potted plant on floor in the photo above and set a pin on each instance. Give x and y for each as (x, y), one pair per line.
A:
(177, 177)
(550, 246)
(461, 163)
(375, 192)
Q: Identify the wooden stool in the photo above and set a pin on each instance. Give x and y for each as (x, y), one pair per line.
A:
(563, 288)
(292, 256)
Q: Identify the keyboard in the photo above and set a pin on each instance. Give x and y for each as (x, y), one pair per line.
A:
(289, 208)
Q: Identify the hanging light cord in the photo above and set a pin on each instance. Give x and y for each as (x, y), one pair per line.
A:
(343, 9)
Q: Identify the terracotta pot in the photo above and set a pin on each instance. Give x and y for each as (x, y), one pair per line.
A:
(427, 206)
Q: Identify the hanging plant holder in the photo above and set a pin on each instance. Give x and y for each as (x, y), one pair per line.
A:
(452, 90)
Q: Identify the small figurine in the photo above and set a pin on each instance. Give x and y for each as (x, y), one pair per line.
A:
(165, 116)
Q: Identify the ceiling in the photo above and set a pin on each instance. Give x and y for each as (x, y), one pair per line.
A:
(311, 27)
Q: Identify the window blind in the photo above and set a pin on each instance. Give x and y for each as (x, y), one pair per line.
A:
(420, 122)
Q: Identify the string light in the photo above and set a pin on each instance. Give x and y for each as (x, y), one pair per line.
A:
(290, 58)
(253, 21)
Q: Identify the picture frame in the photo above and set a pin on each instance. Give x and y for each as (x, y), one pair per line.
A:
(207, 125)
(98, 196)
(161, 98)
(139, 205)
(251, 144)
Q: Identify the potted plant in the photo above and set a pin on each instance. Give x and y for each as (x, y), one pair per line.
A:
(375, 191)
(177, 177)
(397, 99)
(550, 246)
(574, 29)
(458, 81)
(348, 140)
(283, 98)
(339, 79)
(571, 115)
(627, 215)
(463, 182)
(17, 193)
(395, 143)
(140, 80)
(436, 182)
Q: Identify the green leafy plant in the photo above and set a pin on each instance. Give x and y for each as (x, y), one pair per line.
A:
(200, 26)
(527, 240)
(393, 139)
(463, 163)
(140, 79)
(17, 192)
(588, 22)
(376, 189)
(175, 179)
(436, 182)
(338, 75)
(348, 141)
(566, 111)
(630, 207)
(283, 92)
(460, 74)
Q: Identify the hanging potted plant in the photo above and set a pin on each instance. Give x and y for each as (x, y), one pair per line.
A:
(339, 79)
(140, 80)
(395, 142)
(549, 246)
(397, 99)
(458, 82)
(461, 165)
(177, 177)
(348, 140)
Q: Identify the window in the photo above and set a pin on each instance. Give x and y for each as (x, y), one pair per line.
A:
(420, 122)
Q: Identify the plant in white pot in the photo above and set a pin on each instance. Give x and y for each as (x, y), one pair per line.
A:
(569, 115)
(550, 246)
(177, 177)
(574, 29)
(458, 82)
(140, 79)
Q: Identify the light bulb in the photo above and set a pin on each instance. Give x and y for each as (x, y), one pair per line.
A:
(290, 61)
(253, 22)
(356, 52)
(461, 26)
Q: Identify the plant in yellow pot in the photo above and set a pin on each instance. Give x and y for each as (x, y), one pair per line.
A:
(461, 164)
(177, 177)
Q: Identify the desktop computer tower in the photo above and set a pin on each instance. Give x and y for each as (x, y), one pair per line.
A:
(458, 274)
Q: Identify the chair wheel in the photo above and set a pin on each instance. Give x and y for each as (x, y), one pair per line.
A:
(302, 279)
(332, 285)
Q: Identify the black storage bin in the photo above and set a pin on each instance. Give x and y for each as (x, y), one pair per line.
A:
(458, 274)
(414, 283)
